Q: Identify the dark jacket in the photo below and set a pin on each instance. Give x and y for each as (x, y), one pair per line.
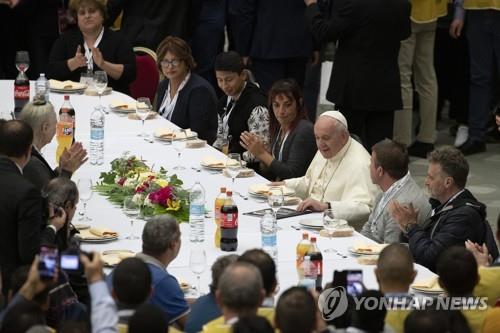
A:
(114, 46)
(250, 98)
(365, 74)
(195, 107)
(39, 172)
(453, 223)
(272, 29)
(22, 228)
(298, 151)
(148, 22)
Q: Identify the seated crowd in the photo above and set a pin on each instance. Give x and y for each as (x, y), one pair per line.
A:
(320, 159)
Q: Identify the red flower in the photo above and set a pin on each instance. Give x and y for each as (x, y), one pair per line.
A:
(122, 181)
(160, 197)
(140, 189)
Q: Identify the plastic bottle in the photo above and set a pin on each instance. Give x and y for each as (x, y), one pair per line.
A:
(302, 248)
(229, 224)
(308, 280)
(197, 213)
(21, 91)
(219, 202)
(268, 232)
(64, 134)
(42, 88)
(97, 137)
(317, 261)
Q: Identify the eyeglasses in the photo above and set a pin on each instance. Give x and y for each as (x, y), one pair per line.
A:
(173, 63)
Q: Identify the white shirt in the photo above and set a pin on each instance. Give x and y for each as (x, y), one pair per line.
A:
(168, 104)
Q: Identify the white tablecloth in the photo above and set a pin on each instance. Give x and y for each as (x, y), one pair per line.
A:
(121, 135)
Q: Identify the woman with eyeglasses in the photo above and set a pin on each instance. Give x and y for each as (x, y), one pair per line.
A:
(293, 145)
(183, 97)
(92, 47)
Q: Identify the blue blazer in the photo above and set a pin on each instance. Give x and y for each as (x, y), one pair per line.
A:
(196, 107)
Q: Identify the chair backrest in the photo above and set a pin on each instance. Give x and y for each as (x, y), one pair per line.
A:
(147, 75)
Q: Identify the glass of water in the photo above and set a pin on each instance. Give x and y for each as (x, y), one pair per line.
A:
(233, 165)
(275, 199)
(131, 208)
(179, 145)
(198, 264)
(143, 106)
(84, 186)
(100, 83)
(330, 223)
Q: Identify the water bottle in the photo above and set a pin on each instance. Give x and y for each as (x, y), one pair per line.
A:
(42, 88)
(197, 213)
(268, 229)
(97, 137)
(309, 279)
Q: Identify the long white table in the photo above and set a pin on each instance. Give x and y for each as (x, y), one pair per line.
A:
(121, 135)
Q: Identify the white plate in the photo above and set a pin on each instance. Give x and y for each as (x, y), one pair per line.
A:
(191, 135)
(312, 223)
(220, 168)
(68, 91)
(286, 192)
(81, 226)
(427, 291)
(98, 240)
(122, 110)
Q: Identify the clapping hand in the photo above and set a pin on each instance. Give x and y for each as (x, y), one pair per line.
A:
(73, 158)
(252, 143)
(404, 215)
(78, 60)
(97, 56)
(481, 254)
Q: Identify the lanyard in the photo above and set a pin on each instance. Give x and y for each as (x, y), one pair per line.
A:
(225, 116)
(88, 51)
(280, 153)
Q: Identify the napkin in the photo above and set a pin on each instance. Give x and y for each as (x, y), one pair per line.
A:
(263, 189)
(429, 284)
(118, 104)
(196, 143)
(213, 162)
(244, 173)
(103, 233)
(369, 248)
(62, 85)
(167, 132)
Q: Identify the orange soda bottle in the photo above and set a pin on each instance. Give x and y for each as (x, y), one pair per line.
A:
(219, 202)
(302, 248)
(64, 134)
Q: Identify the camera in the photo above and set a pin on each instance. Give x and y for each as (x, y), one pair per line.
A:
(68, 260)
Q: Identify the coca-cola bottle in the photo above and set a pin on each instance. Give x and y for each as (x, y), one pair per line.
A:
(317, 260)
(229, 224)
(22, 83)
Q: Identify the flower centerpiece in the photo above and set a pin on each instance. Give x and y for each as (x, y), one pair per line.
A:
(157, 192)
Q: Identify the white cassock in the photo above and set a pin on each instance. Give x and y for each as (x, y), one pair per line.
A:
(343, 181)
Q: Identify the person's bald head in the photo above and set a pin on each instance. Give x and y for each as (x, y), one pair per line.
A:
(240, 288)
(395, 270)
(331, 135)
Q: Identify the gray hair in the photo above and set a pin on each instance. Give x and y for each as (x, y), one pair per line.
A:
(36, 114)
(60, 190)
(159, 234)
(218, 268)
(240, 287)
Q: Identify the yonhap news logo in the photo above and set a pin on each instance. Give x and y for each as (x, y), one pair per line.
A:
(334, 302)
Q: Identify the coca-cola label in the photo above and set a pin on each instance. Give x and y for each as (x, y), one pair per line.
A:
(318, 266)
(21, 92)
(229, 220)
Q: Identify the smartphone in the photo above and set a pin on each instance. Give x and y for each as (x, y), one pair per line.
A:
(70, 260)
(48, 262)
(354, 282)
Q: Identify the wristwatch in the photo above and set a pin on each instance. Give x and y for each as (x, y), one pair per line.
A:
(329, 205)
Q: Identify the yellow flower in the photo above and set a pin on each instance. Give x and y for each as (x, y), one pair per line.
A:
(145, 175)
(161, 182)
(174, 205)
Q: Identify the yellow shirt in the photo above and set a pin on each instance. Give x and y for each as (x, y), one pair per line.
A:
(219, 325)
(123, 328)
(482, 4)
(488, 285)
(491, 322)
(396, 319)
(426, 11)
(475, 319)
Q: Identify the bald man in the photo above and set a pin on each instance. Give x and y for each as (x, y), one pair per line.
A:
(339, 175)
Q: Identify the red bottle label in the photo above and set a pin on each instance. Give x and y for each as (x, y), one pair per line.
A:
(229, 220)
(21, 92)
(318, 265)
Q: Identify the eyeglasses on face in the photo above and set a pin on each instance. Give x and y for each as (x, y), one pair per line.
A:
(173, 63)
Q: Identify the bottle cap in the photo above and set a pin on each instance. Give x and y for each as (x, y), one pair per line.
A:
(229, 193)
(305, 235)
(222, 190)
(313, 239)
(66, 97)
(307, 258)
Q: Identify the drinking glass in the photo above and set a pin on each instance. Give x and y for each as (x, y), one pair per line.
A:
(131, 208)
(330, 224)
(179, 145)
(85, 192)
(275, 199)
(142, 108)
(22, 61)
(100, 83)
(197, 264)
(233, 165)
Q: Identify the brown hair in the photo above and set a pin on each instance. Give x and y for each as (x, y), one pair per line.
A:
(74, 5)
(290, 89)
(452, 162)
(392, 157)
(179, 48)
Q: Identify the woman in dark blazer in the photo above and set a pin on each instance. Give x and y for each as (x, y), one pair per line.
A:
(183, 97)
(293, 145)
(92, 47)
